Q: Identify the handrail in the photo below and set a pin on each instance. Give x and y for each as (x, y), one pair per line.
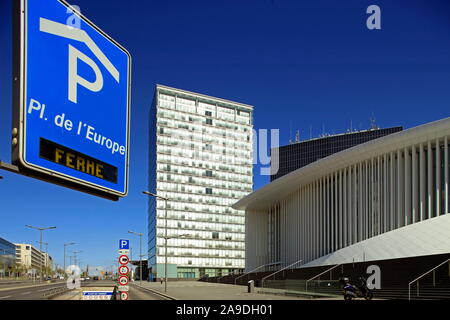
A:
(306, 287)
(420, 277)
(272, 274)
(264, 265)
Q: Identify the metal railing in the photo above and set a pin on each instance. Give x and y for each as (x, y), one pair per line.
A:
(226, 275)
(316, 276)
(272, 274)
(264, 265)
(423, 275)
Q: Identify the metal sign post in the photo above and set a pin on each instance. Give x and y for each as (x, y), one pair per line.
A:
(123, 269)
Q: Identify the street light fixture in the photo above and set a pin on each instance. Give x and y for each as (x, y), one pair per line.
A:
(140, 254)
(65, 245)
(40, 241)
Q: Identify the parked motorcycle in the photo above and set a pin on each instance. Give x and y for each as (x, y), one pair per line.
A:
(361, 290)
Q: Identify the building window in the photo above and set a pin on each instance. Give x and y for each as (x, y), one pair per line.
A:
(209, 121)
(208, 113)
(215, 235)
(208, 191)
(208, 173)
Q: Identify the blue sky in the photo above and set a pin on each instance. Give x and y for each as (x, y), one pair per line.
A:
(302, 64)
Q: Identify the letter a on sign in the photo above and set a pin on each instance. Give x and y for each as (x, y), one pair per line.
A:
(374, 21)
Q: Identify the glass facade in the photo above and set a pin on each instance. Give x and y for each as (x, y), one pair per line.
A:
(298, 155)
(7, 254)
(201, 160)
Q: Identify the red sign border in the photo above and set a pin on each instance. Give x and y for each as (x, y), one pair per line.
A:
(124, 255)
(124, 274)
(128, 295)
(128, 280)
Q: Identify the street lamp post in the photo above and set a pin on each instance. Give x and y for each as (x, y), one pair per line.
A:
(165, 234)
(46, 254)
(140, 254)
(40, 241)
(65, 245)
(75, 256)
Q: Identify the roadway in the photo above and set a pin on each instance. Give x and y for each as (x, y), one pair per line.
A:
(27, 291)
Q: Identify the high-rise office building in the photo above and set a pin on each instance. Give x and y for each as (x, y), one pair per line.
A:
(201, 161)
(297, 155)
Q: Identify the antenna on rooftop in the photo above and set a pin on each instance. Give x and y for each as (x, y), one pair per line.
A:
(290, 132)
(297, 136)
(373, 123)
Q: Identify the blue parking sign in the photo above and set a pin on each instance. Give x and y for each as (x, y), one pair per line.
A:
(124, 244)
(73, 109)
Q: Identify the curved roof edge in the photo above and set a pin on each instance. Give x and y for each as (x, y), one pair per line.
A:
(285, 185)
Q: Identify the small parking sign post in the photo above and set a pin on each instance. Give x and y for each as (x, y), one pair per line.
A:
(124, 245)
(71, 109)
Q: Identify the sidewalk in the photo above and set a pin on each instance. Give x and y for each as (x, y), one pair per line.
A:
(196, 290)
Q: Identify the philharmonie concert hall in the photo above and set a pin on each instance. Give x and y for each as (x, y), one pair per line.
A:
(383, 202)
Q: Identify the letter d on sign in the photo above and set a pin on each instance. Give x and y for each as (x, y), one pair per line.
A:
(75, 79)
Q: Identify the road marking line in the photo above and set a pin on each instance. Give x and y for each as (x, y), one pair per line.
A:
(26, 293)
(5, 297)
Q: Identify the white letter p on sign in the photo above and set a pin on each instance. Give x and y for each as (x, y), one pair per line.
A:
(75, 79)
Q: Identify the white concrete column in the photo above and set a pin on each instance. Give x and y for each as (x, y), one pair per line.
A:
(345, 208)
(392, 191)
(303, 222)
(372, 184)
(354, 207)
(333, 211)
(315, 215)
(438, 178)
(422, 191)
(340, 214)
(379, 197)
(430, 180)
(308, 223)
(327, 214)
(446, 163)
(360, 189)
(385, 195)
(408, 188)
(400, 214)
(366, 201)
(415, 188)
(320, 253)
(351, 211)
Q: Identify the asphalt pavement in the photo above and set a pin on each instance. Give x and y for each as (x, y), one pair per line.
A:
(27, 291)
